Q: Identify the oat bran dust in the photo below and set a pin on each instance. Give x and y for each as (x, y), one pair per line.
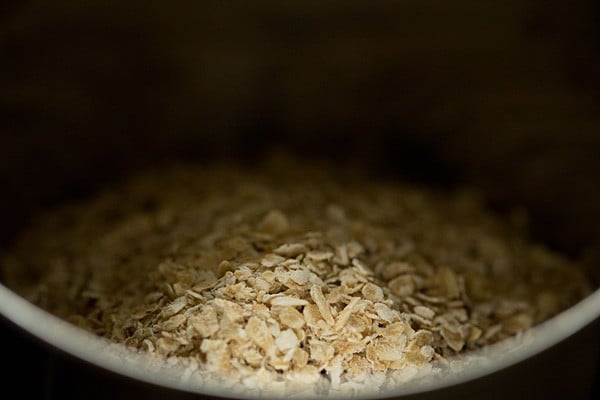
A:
(290, 273)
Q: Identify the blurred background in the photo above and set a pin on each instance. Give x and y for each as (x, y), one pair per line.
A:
(502, 96)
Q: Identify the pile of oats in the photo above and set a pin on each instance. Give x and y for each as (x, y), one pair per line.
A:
(290, 274)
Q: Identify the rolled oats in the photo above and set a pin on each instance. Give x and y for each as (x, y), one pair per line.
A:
(288, 276)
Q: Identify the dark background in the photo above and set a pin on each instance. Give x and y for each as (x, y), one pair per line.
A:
(502, 96)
